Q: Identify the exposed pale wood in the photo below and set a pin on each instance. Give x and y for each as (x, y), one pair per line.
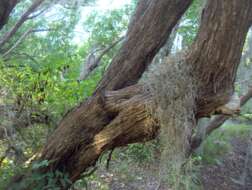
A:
(217, 50)
(89, 66)
(217, 123)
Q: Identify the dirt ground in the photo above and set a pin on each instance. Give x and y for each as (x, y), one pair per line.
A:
(233, 172)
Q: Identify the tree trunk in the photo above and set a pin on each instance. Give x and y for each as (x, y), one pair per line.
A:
(92, 118)
(6, 7)
(117, 113)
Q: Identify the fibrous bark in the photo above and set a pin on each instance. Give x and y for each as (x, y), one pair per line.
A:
(91, 117)
(116, 116)
(217, 51)
(148, 32)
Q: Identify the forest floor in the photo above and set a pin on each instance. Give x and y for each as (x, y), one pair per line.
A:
(234, 172)
(230, 171)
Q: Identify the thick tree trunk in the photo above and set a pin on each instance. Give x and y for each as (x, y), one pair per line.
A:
(115, 117)
(78, 150)
(217, 51)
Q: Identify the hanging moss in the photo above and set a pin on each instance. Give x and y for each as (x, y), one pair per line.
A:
(173, 88)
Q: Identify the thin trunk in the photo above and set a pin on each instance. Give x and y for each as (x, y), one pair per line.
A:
(92, 61)
(6, 7)
(20, 22)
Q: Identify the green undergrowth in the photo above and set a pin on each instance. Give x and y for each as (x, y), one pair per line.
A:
(218, 143)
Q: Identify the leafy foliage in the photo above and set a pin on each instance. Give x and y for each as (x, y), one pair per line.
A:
(218, 143)
(38, 82)
(190, 22)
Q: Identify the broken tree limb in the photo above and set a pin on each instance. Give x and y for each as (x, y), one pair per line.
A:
(216, 123)
(92, 62)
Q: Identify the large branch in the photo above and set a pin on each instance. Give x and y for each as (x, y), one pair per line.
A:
(20, 22)
(219, 13)
(149, 29)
